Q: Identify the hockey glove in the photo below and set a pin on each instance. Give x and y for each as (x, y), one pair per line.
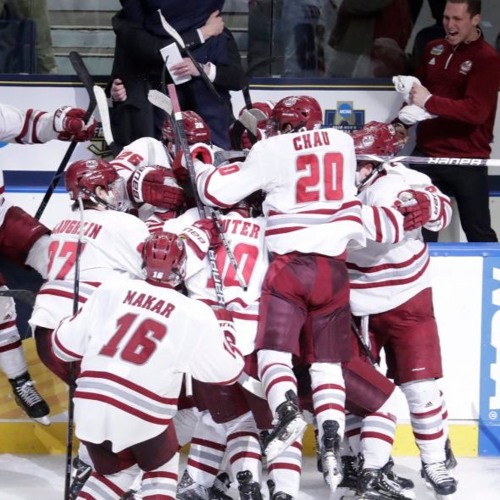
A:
(157, 186)
(415, 207)
(202, 236)
(68, 122)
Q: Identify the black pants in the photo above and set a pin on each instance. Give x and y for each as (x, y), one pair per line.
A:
(469, 186)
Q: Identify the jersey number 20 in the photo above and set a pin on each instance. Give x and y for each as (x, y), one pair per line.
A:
(323, 179)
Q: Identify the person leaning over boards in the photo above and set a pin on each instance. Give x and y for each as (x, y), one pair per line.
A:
(460, 77)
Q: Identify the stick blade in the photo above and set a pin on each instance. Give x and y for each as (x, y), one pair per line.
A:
(160, 100)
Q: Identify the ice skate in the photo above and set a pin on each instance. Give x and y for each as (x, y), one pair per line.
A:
(277, 495)
(451, 461)
(248, 488)
(81, 472)
(439, 478)
(28, 398)
(188, 489)
(404, 483)
(373, 484)
(350, 472)
(290, 424)
(331, 462)
(218, 491)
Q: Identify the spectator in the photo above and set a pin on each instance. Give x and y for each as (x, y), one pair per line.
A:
(139, 65)
(359, 23)
(36, 10)
(460, 77)
(425, 35)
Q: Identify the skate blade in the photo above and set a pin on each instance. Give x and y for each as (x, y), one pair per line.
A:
(42, 420)
(332, 479)
(277, 446)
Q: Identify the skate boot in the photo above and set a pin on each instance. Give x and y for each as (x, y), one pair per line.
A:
(451, 461)
(439, 478)
(188, 489)
(350, 472)
(249, 489)
(81, 472)
(289, 425)
(280, 495)
(331, 462)
(28, 398)
(374, 485)
(404, 483)
(130, 495)
(218, 491)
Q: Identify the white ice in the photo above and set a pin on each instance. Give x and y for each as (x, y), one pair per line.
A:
(41, 477)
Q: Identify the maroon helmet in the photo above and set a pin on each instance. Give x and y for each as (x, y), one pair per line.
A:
(293, 114)
(194, 125)
(377, 138)
(82, 177)
(164, 258)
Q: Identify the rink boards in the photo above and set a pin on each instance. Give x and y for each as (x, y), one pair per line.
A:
(466, 278)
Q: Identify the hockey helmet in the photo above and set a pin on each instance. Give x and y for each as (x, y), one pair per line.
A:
(164, 257)
(82, 177)
(195, 127)
(293, 114)
(377, 138)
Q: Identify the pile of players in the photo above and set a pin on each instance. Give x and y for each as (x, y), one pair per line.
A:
(230, 313)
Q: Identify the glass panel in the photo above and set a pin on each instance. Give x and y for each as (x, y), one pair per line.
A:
(296, 38)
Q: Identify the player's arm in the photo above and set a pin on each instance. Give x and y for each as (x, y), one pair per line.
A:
(383, 224)
(34, 126)
(225, 186)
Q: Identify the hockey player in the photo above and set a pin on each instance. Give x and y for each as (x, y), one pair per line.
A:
(109, 248)
(135, 340)
(30, 240)
(307, 175)
(390, 283)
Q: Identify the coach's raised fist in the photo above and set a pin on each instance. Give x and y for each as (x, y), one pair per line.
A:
(69, 123)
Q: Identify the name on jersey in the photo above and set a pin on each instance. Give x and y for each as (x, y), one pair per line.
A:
(90, 229)
(149, 302)
(243, 227)
(312, 139)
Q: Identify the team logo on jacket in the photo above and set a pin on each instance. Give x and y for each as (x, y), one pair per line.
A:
(465, 67)
(437, 50)
(345, 117)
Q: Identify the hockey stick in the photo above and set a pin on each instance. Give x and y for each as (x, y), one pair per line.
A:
(26, 296)
(423, 160)
(180, 42)
(164, 103)
(361, 340)
(102, 107)
(184, 146)
(82, 72)
(71, 389)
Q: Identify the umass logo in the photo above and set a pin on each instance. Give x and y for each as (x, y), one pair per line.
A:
(345, 117)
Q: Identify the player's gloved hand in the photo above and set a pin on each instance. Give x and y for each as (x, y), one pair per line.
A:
(157, 186)
(69, 124)
(203, 152)
(415, 207)
(202, 236)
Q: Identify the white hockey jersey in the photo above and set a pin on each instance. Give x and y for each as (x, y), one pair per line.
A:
(110, 247)
(246, 241)
(135, 341)
(309, 181)
(385, 274)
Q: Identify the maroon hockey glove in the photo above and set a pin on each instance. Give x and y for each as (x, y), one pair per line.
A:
(157, 186)
(202, 236)
(416, 208)
(69, 123)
